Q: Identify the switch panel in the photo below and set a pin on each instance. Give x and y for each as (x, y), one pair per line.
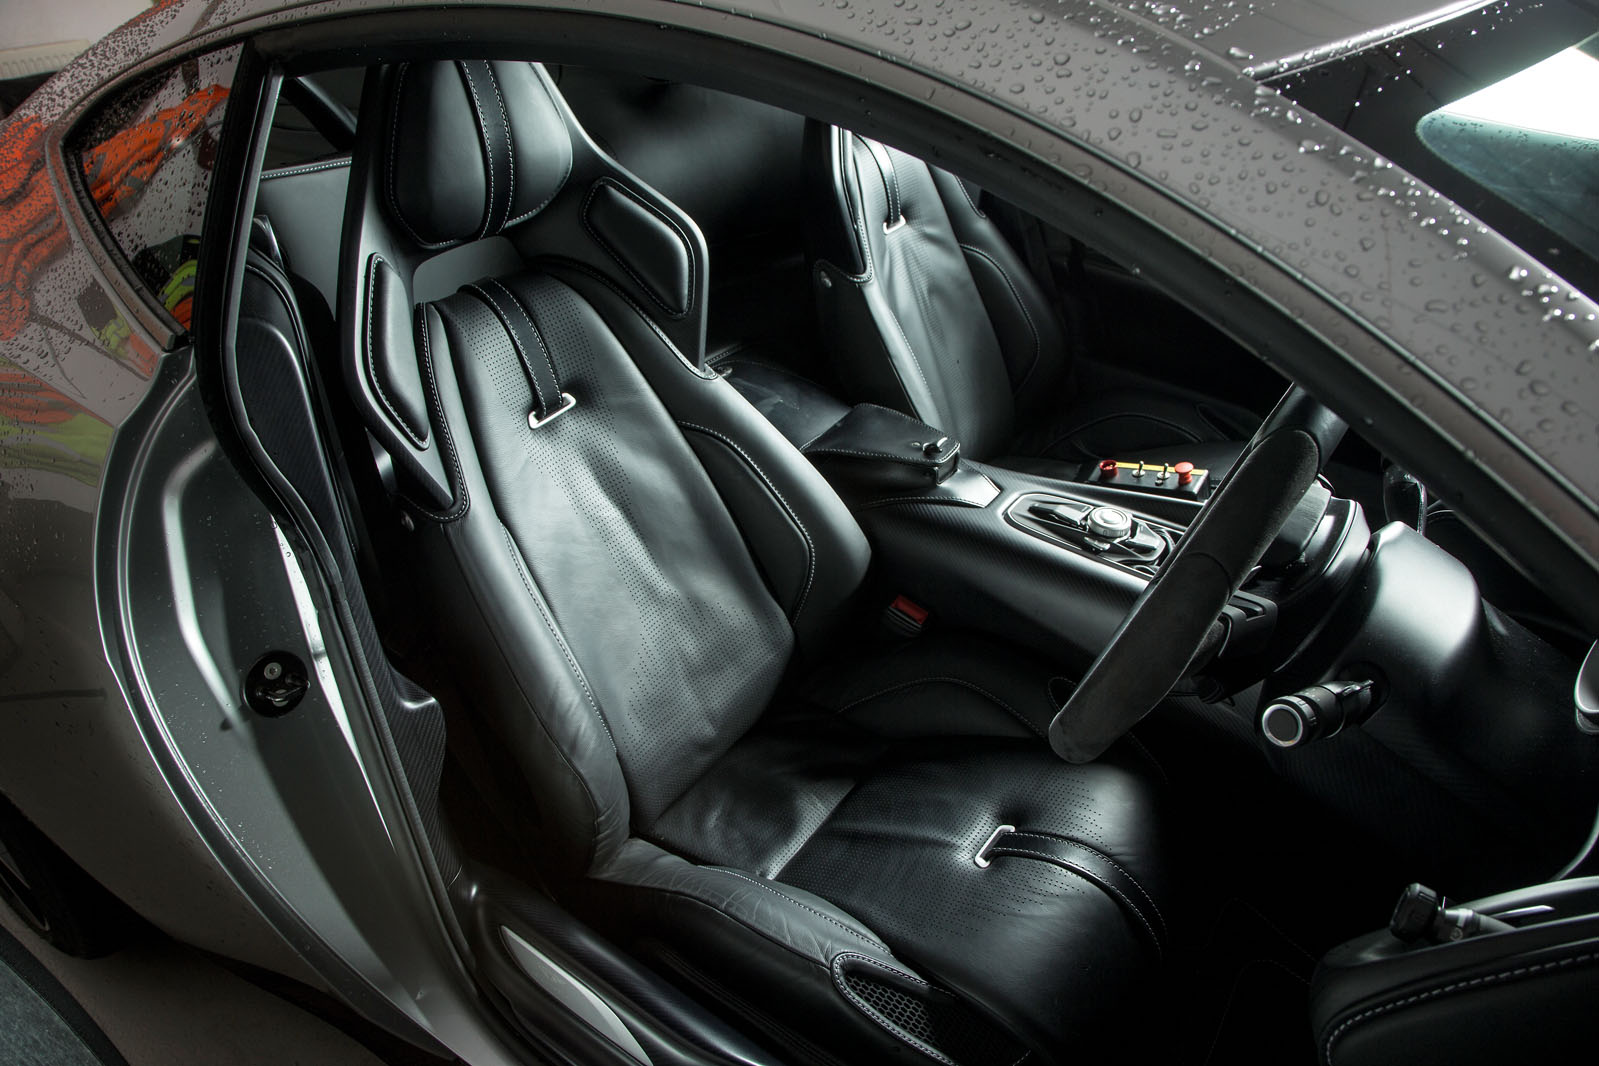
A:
(1182, 479)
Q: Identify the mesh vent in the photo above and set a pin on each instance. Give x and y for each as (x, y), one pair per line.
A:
(937, 1019)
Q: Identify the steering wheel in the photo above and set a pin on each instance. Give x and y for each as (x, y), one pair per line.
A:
(1171, 620)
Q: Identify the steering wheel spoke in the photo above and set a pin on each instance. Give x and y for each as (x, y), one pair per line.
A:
(1174, 617)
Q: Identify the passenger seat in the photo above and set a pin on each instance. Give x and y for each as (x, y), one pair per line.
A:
(926, 308)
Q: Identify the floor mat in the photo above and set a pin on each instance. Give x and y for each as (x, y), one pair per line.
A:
(40, 1023)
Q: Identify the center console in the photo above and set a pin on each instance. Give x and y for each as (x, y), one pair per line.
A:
(1053, 565)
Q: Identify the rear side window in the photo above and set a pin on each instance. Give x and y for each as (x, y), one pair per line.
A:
(147, 157)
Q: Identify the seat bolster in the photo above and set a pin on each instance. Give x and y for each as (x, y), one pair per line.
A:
(792, 918)
(532, 687)
(808, 544)
(717, 927)
(942, 684)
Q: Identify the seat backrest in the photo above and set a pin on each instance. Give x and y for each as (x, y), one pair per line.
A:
(925, 305)
(619, 550)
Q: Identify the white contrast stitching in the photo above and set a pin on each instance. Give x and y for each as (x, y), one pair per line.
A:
(876, 1015)
(417, 437)
(1067, 864)
(1142, 891)
(510, 145)
(856, 933)
(488, 155)
(1485, 979)
(538, 334)
(566, 174)
(304, 168)
(446, 441)
(688, 245)
(499, 312)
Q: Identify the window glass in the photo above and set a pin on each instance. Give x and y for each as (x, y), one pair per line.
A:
(1489, 107)
(147, 158)
(1533, 139)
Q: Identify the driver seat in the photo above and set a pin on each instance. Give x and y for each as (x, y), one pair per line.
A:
(642, 580)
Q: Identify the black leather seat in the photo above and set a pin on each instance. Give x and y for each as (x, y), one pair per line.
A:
(632, 567)
(927, 308)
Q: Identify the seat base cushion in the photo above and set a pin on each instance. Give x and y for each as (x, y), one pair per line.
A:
(838, 848)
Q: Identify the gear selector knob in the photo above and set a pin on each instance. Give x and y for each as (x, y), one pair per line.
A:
(1111, 523)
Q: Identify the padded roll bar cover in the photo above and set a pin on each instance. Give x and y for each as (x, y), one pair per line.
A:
(1152, 647)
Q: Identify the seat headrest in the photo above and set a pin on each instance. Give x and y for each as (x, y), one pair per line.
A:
(473, 147)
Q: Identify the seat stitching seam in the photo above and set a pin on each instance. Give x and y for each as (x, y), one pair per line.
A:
(304, 168)
(446, 441)
(962, 682)
(538, 334)
(978, 211)
(1087, 875)
(715, 909)
(510, 145)
(863, 453)
(488, 154)
(1485, 979)
(1045, 835)
(565, 175)
(857, 221)
(933, 501)
(897, 1031)
(499, 313)
(577, 672)
(802, 906)
(810, 545)
(688, 245)
(633, 305)
(416, 436)
(394, 153)
(1032, 327)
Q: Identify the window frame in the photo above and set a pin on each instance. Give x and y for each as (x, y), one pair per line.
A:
(88, 227)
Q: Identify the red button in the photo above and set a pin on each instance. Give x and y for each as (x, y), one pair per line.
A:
(1107, 469)
(1185, 473)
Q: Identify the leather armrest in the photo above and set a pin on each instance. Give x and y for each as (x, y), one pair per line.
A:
(875, 447)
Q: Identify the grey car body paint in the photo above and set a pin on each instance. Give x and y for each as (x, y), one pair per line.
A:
(1121, 100)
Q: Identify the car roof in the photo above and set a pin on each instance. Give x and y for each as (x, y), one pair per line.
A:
(1265, 37)
(1455, 302)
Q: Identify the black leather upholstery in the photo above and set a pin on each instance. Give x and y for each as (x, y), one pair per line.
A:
(927, 308)
(627, 581)
(506, 162)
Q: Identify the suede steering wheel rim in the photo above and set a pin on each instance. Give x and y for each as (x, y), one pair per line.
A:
(1169, 622)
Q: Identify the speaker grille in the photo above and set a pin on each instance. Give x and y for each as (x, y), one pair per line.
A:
(939, 1020)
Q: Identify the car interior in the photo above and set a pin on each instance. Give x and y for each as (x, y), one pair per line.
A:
(738, 501)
